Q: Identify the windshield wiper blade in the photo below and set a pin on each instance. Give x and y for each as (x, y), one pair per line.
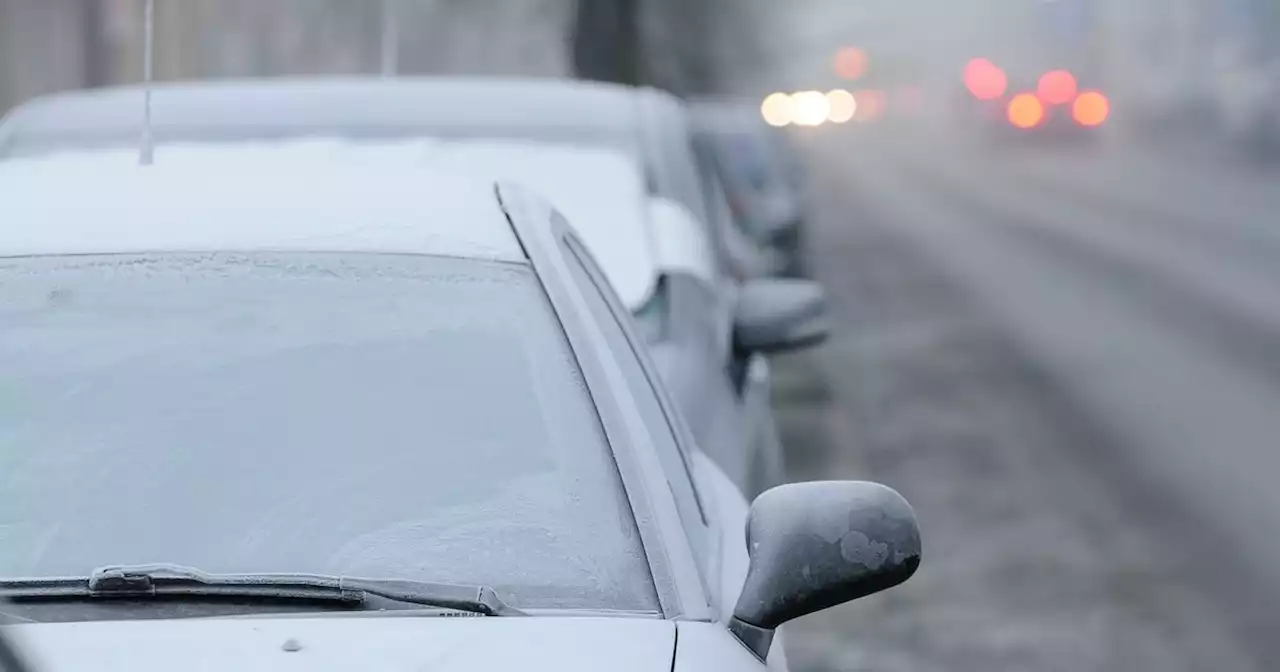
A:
(166, 580)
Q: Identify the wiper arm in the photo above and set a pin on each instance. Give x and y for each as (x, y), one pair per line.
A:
(166, 580)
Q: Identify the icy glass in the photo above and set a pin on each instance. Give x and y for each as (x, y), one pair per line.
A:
(379, 416)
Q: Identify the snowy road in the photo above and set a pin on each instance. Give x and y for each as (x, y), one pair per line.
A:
(1067, 359)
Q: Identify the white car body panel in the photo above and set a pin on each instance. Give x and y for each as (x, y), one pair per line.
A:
(601, 191)
(681, 241)
(683, 246)
(354, 643)
(104, 203)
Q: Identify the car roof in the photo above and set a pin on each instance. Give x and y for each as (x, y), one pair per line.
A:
(601, 192)
(296, 106)
(647, 123)
(104, 203)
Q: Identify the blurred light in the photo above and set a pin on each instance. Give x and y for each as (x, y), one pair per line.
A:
(850, 63)
(1056, 87)
(1025, 110)
(871, 104)
(841, 106)
(777, 109)
(984, 79)
(1090, 109)
(809, 108)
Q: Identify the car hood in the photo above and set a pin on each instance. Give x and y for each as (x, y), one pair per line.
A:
(371, 642)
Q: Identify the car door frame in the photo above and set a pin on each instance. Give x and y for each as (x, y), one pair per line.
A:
(679, 577)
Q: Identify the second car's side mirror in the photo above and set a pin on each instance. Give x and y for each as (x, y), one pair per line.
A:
(816, 545)
(779, 314)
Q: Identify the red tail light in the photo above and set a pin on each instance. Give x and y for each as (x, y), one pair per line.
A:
(1025, 111)
(1056, 87)
(1090, 108)
(984, 79)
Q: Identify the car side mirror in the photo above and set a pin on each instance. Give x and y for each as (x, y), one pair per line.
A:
(779, 314)
(816, 545)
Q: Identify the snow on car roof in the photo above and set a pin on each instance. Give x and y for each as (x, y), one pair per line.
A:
(104, 202)
(600, 192)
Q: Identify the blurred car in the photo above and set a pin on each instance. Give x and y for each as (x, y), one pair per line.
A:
(298, 418)
(1052, 104)
(646, 123)
(760, 174)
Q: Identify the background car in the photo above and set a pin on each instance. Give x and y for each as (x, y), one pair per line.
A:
(344, 372)
(760, 174)
(648, 124)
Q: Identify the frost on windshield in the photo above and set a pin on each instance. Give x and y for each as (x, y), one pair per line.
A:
(376, 416)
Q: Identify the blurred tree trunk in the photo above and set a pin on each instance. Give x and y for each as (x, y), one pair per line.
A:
(606, 41)
(96, 56)
(41, 49)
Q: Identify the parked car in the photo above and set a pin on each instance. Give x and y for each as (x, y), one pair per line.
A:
(332, 404)
(649, 124)
(761, 175)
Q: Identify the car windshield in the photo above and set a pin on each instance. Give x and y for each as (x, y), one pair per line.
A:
(387, 416)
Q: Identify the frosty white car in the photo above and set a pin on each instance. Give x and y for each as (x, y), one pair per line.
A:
(256, 420)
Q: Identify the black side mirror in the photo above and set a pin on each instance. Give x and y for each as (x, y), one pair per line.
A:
(816, 545)
(779, 314)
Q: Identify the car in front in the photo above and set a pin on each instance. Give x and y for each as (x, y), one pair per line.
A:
(351, 418)
(648, 124)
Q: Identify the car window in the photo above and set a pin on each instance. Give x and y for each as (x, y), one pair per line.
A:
(385, 416)
(644, 385)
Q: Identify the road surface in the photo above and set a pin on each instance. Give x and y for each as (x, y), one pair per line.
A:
(1069, 361)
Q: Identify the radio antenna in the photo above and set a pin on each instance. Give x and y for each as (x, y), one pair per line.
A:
(147, 155)
(390, 38)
